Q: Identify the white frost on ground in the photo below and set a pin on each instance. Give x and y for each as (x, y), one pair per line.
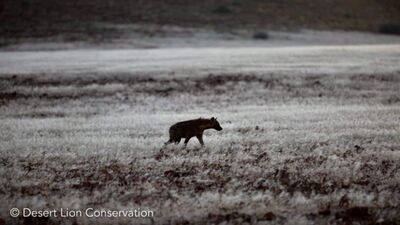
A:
(302, 60)
(306, 52)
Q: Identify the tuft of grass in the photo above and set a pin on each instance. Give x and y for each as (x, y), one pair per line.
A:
(390, 28)
(260, 35)
(222, 9)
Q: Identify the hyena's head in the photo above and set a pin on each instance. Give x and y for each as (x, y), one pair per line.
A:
(215, 124)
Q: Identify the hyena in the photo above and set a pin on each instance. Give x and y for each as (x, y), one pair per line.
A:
(190, 128)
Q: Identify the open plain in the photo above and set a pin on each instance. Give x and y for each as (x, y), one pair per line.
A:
(311, 133)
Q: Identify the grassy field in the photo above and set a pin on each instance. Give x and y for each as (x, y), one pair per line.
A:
(295, 149)
(88, 90)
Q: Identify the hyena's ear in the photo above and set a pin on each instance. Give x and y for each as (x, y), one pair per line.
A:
(212, 119)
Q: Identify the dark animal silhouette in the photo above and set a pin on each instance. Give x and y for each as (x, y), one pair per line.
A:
(190, 128)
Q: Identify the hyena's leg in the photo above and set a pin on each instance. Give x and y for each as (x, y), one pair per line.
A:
(187, 140)
(200, 137)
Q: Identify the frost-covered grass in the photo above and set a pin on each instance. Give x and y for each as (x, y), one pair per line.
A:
(294, 149)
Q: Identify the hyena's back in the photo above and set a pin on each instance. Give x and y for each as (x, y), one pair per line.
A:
(184, 129)
(190, 128)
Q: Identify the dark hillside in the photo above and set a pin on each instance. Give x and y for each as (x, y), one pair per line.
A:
(49, 18)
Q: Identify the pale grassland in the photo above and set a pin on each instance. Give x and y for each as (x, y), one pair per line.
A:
(294, 149)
